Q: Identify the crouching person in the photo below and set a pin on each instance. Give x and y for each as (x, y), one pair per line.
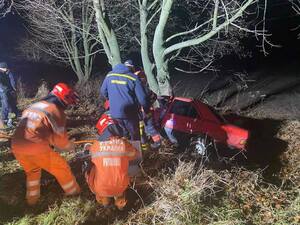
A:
(108, 127)
(42, 125)
(108, 177)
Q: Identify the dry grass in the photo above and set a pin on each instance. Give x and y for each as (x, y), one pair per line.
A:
(90, 101)
(183, 193)
(193, 195)
(21, 93)
(43, 90)
(259, 202)
(71, 211)
(178, 196)
(290, 132)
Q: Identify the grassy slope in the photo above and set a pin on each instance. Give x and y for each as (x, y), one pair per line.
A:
(174, 189)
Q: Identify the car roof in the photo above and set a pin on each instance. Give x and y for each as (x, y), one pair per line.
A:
(184, 99)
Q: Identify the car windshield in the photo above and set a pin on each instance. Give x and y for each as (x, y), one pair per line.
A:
(182, 108)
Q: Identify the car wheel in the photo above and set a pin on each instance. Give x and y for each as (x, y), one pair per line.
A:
(201, 146)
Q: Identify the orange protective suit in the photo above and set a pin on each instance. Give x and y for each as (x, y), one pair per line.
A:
(43, 124)
(109, 175)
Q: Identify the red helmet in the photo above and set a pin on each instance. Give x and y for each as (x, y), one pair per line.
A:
(106, 105)
(65, 93)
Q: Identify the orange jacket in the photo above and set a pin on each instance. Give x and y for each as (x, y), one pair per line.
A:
(41, 125)
(109, 177)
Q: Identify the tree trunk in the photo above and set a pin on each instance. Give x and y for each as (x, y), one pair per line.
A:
(147, 64)
(163, 76)
(87, 45)
(107, 35)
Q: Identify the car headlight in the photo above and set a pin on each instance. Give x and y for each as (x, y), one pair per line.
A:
(242, 142)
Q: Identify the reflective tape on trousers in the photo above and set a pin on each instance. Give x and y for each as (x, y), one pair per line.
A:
(33, 193)
(72, 191)
(68, 185)
(33, 183)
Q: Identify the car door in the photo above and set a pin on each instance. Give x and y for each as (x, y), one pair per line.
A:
(183, 115)
(208, 124)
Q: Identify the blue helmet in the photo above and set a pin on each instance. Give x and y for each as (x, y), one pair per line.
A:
(3, 65)
(129, 63)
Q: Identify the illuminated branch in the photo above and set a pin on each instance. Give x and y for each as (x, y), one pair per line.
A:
(63, 30)
(210, 34)
(5, 7)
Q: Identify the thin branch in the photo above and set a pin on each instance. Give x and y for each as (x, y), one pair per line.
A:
(264, 27)
(194, 72)
(215, 18)
(226, 13)
(6, 6)
(153, 4)
(211, 33)
(153, 16)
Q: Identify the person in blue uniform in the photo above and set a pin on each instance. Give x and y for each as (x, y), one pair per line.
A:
(7, 93)
(126, 95)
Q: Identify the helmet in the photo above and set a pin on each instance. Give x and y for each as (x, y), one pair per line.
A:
(106, 105)
(65, 93)
(108, 124)
(3, 65)
(128, 63)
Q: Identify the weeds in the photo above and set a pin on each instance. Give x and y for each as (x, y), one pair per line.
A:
(290, 172)
(71, 211)
(183, 193)
(178, 196)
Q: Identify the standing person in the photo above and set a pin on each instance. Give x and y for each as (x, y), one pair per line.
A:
(126, 95)
(146, 123)
(7, 94)
(108, 177)
(42, 125)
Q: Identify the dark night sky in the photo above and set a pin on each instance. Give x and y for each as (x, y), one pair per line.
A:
(12, 30)
(280, 22)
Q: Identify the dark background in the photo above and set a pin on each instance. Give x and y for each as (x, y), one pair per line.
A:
(281, 22)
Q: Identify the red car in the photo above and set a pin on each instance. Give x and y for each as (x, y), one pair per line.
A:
(188, 116)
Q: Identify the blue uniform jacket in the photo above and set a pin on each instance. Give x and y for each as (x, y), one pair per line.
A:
(125, 93)
(7, 82)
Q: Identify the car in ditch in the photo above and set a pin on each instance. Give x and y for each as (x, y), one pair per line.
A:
(186, 117)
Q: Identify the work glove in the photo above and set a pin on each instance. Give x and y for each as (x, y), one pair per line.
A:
(85, 153)
(87, 147)
(155, 145)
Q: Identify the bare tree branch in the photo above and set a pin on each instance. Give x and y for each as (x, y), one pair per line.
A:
(211, 33)
(215, 17)
(5, 7)
(64, 31)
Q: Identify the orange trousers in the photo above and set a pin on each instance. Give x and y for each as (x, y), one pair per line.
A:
(120, 200)
(54, 164)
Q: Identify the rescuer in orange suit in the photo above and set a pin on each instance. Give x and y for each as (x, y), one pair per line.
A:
(108, 177)
(42, 128)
